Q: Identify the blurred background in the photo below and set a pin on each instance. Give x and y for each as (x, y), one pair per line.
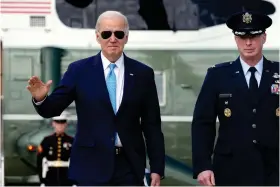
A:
(179, 39)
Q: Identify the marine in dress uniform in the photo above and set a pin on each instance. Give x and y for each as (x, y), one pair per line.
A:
(54, 155)
(244, 95)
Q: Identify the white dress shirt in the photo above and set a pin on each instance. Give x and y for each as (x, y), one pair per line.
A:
(247, 74)
(119, 71)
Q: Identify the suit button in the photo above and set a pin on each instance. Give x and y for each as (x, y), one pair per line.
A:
(254, 125)
(254, 141)
(254, 110)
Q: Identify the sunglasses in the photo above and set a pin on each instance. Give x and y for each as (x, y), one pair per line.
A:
(107, 34)
(60, 121)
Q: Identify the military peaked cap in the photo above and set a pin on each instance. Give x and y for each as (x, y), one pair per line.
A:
(248, 23)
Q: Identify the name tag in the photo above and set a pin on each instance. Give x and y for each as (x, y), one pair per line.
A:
(225, 95)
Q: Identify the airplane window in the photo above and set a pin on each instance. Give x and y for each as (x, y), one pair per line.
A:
(21, 74)
(162, 14)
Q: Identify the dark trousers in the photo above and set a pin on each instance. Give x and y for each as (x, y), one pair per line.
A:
(57, 177)
(123, 174)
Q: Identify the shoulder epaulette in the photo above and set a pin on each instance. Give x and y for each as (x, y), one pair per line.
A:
(224, 64)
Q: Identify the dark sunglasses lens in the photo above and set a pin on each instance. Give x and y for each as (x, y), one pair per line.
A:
(60, 121)
(119, 34)
(106, 34)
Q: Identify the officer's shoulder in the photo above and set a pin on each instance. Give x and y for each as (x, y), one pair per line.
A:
(45, 141)
(220, 65)
(274, 63)
(48, 137)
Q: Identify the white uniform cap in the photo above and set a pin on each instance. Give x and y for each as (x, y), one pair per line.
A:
(63, 116)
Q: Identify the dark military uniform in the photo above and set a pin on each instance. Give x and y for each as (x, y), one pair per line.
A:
(56, 150)
(247, 147)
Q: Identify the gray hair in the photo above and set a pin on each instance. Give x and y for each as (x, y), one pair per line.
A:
(111, 14)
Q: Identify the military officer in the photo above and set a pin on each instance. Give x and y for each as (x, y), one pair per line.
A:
(54, 155)
(244, 95)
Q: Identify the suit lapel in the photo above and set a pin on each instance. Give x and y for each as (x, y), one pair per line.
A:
(266, 79)
(128, 82)
(239, 80)
(99, 79)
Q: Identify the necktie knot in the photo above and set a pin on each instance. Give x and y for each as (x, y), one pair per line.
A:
(112, 66)
(252, 69)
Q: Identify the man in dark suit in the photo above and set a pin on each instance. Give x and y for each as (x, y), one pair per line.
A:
(244, 94)
(116, 103)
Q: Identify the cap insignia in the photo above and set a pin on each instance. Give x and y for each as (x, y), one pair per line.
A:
(247, 18)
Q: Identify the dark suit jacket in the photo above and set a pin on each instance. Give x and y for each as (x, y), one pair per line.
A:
(92, 157)
(246, 152)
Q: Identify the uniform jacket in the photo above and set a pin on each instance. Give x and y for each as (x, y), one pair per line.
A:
(54, 148)
(247, 141)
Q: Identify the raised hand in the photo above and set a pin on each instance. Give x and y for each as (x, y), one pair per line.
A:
(37, 88)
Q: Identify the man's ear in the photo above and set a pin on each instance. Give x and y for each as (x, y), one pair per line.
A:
(97, 37)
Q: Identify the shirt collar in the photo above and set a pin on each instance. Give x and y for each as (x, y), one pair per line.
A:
(258, 66)
(106, 62)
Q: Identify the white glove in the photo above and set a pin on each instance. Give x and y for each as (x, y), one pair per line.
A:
(42, 185)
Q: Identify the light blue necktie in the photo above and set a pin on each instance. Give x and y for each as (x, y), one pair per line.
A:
(111, 83)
